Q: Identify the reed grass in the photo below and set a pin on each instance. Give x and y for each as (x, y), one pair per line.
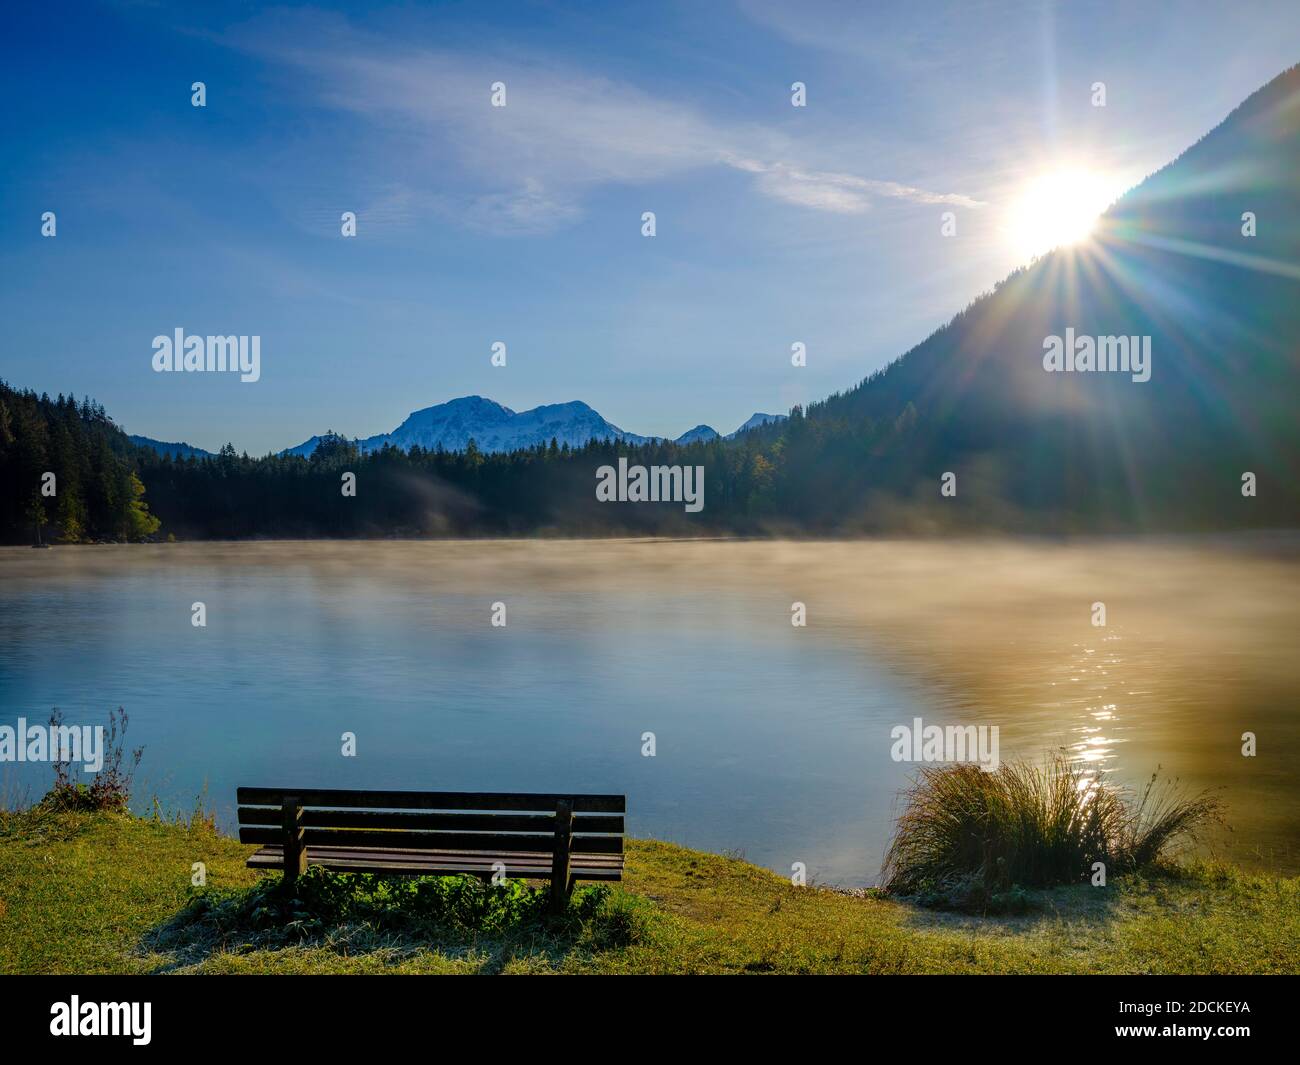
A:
(967, 830)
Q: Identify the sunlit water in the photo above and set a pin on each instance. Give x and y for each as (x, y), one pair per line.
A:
(770, 740)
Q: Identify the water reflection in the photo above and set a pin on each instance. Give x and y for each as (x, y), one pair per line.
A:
(771, 739)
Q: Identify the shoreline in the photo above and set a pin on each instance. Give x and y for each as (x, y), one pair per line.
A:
(111, 882)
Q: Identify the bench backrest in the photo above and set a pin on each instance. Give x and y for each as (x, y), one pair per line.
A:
(435, 820)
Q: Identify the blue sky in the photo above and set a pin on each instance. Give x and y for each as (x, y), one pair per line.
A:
(775, 224)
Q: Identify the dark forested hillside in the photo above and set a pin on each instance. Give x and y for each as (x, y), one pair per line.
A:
(1171, 261)
(1031, 451)
(66, 472)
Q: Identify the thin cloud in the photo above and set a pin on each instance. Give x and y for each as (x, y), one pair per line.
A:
(841, 193)
(562, 133)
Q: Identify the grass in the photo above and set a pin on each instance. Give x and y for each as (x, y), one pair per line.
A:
(106, 892)
(978, 839)
(392, 916)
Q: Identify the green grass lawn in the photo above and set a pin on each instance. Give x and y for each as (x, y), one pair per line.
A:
(89, 893)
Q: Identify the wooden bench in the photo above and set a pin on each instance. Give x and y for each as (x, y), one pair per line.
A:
(560, 838)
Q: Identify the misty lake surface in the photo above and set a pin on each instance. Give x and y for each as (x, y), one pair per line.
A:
(771, 740)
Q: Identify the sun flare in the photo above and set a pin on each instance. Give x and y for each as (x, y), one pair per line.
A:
(1059, 208)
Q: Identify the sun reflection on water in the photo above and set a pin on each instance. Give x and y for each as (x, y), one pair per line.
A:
(1095, 738)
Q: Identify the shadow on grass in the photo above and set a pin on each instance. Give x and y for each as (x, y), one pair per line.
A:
(1023, 910)
(397, 918)
(1015, 910)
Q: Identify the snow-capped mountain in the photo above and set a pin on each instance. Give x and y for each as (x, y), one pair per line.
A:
(492, 427)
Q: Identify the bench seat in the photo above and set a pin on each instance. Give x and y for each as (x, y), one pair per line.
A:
(520, 865)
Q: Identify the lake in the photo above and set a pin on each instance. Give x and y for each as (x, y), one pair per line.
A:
(770, 740)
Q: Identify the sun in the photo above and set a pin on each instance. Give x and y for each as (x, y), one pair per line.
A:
(1059, 208)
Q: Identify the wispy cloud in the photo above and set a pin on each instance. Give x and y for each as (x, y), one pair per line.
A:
(842, 193)
(529, 165)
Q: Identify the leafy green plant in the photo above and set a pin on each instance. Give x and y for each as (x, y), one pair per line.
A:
(325, 905)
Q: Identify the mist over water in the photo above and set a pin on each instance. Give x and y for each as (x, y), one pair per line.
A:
(771, 740)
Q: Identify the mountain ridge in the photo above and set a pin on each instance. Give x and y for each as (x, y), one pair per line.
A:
(495, 427)
(170, 448)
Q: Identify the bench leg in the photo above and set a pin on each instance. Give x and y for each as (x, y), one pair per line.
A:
(560, 860)
(295, 854)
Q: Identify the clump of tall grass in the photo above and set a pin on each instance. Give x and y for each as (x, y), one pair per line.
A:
(975, 834)
(110, 787)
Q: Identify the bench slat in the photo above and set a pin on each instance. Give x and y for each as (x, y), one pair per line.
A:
(476, 858)
(434, 863)
(488, 822)
(469, 841)
(432, 800)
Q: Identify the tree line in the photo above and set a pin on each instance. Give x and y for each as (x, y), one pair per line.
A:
(867, 461)
(68, 473)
